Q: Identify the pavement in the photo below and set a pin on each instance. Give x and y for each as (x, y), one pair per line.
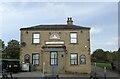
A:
(39, 74)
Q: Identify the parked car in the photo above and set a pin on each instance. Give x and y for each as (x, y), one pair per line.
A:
(11, 65)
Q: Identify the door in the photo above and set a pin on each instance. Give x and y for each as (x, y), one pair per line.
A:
(54, 61)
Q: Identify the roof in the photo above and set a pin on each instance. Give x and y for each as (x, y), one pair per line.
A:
(54, 27)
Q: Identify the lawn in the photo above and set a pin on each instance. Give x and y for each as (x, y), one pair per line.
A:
(102, 65)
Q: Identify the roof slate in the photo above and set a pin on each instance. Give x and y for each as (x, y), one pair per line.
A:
(54, 27)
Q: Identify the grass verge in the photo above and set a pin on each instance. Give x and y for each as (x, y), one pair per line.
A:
(102, 65)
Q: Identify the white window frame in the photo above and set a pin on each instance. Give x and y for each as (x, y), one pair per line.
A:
(54, 58)
(73, 39)
(36, 38)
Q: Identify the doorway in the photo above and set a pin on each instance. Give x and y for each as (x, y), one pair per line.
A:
(54, 62)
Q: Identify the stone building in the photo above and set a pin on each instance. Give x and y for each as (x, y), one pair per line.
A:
(63, 48)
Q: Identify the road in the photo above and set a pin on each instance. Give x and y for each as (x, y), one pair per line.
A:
(99, 72)
(109, 73)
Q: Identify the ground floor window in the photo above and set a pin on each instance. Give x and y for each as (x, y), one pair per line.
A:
(73, 59)
(53, 58)
(35, 58)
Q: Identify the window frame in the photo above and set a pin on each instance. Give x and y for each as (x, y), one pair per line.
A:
(83, 58)
(54, 58)
(74, 59)
(35, 38)
(74, 38)
(36, 59)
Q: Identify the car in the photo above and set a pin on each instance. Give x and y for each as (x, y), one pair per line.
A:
(11, 66)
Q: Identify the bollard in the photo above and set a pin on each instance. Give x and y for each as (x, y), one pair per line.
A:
(57, 76)
(95, 70)
(104, 72)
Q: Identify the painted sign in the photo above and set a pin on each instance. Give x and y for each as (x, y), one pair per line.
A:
(54, 36)
(54, 42)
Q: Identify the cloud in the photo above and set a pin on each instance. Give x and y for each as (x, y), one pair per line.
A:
(59, 0)
(50, 11)
(95, 30)
(108, 43)
(1, 21)
(22, 14)
(119, 41)
(112, 41)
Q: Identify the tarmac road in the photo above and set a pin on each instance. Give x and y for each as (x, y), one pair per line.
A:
(109, 73)
(99, 72)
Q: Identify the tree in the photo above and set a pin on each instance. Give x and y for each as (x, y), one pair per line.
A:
(2, 45)
(114, 55)
(100, 55)
(12, 51)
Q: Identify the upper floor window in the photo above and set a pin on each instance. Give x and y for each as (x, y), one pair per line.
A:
(36, 38)
(73, 37)
(73, 59)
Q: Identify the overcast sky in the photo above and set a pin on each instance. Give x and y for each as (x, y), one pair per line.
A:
(101, 17)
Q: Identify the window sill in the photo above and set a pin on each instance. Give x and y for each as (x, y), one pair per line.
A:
(36, 64)
(83, 64)
(36, 44)
(73, 43)
(53, 65)
(74, 65)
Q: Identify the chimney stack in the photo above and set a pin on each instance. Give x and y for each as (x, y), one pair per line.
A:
(69, 21)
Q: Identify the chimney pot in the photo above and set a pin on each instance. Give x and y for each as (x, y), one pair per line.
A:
(68, 18)
(69, 21)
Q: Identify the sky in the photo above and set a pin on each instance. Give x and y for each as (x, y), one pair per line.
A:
(119, 25)
(101, 17)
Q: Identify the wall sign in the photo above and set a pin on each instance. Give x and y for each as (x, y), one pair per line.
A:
(54, 42)
(82, 59)
(27, 58)
(54, 36)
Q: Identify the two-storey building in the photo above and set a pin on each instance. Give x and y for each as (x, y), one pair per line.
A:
(62, 48)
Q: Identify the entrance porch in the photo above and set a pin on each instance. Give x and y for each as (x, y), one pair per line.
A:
(54, 58)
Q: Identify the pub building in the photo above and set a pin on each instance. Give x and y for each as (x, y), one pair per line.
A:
(63, 48)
